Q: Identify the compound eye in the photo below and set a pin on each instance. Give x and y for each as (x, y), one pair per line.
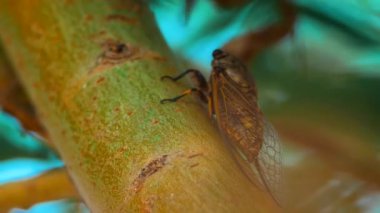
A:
(217, 53)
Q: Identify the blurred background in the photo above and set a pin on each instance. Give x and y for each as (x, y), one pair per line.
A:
(319, 86)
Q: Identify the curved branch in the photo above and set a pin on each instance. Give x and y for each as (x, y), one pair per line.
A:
(92, 69)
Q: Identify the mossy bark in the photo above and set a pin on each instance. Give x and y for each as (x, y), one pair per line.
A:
(92, 69)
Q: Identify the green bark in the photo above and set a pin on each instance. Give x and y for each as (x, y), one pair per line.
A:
(99, 101)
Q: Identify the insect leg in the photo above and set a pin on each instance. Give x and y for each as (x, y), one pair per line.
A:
(180, 75)
(197, 78)
(186, 92)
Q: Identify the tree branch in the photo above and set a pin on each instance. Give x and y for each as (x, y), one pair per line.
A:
(92, 69)
(53, 185)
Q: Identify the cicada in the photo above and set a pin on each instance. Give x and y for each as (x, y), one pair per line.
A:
(231, 96)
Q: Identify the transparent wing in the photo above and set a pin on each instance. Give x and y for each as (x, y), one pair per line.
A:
(269, 161)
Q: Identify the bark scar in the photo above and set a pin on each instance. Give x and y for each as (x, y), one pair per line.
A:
(151, 168)
(115, 53)
(195, 155)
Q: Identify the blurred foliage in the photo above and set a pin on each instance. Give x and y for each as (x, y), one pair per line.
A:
(22, 155)
(17, 142)
(320, 87)
(329, 36)
(58, 206)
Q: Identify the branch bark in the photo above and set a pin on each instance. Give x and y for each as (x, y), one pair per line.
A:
(53, 185)
(92, 69)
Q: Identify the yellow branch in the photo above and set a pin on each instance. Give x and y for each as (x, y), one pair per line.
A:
(53, 185)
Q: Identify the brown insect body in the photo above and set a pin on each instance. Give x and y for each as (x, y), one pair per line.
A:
(232, 101)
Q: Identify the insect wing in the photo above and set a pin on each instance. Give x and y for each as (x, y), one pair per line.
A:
(269, 161)
(238, 117)
(253, 140)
